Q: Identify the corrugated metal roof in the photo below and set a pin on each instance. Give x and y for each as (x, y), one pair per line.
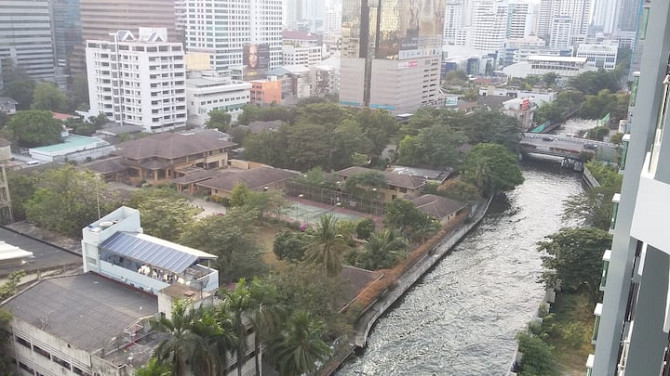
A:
(152, 253)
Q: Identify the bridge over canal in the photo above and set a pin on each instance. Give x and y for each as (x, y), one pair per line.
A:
(567, 147)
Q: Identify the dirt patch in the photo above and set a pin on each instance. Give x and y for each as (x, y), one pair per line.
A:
(59, 240)
(266, 236)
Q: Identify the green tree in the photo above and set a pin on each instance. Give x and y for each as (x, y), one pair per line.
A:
(219, 119)
(458, 190)
(300, 345)
(266, 147)
(78, 92)
(574, 255)
(403, 216)
(492, 168)
(322, 113)
(308, 145)
(597, 133)
(152, 368)
(187, 349)
(22, 187)
(593, 82)
(590, 208)
(80, 126)
(6, 364)
(35, 128)
(439, 145)
(232, 238)
(21, 90)
(537, 357)
(492, 126)
(67, 200)
(327, 246)
(348, 140)
(616, 138)
(409, 151)
(165, 213)
(379, 126)
(291, 246)
(550, 78)
(239, 195)
(365, 228)
(8, 288)
(364, 181)
(265, 203)
(382, 251)
(47, 97)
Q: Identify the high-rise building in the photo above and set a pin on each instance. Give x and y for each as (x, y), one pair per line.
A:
(138, 80)
(578, 10)
(521, 19)
(561, 32)
(296, 10)
(100, 18)
(626, 15)
(457, 18)
(489, 25)
(236, 33)
(633, 321)
(67, 35)
(391, 53)
(26, 39)
(332, 26)
(603, 15)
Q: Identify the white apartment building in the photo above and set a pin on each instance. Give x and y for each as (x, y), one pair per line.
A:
(522, 19)
(563, 66)
(332, 26)
(601, 55)
(138, 81)
(633, 321)
(561, 32)
(305, 56)
(578, 10)
(324, 80)
(489, 26)
(222, 28)
(206, 92)
(457, 17)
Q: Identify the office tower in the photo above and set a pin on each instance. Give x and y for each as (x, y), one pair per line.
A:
(236, 33)
(561, 32)
(489, 25)
(100, 18)
(391, 53)
(296, 10)
(633, 320)
(332, 26)
(521, 19)
(26, 39)
(457, 16)
(626, 15)
(603, 15)
(138, 80)
(578, 10)
(67, 33)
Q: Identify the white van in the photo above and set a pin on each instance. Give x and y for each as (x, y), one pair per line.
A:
(32, 163)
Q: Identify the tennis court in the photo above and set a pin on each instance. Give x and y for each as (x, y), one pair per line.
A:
(306, 213)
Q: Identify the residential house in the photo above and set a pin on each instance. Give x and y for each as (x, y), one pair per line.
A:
(398, 185)
(438, 207)
(162, 157)
(8, 105)
(262, 178)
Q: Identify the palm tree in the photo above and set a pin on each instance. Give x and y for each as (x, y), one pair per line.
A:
(327, 246)
(382, 250)
(266, 315)
(238, 302)
(300, 346)
(186, 350)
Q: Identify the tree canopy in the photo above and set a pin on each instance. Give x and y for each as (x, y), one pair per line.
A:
(574, 255)
(219, 119)
(35, 128)
(492, 168)
(165, 213)
(48, 97)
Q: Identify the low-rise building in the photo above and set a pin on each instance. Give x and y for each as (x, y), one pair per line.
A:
(522, 109)
(305, 56)
(8, 105)
(601, 55)
(441, 208)
(206, 91)
(268, 91)
(159, 158)
(222, 183)
(398, 185)
(324, 80)
(563, 66)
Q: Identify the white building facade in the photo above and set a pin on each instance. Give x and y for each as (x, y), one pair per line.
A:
(601, 55)
(489, 26)
(138, 81)
(305, 56)
(209, 92)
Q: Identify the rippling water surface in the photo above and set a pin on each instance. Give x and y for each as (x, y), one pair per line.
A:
(461, 317)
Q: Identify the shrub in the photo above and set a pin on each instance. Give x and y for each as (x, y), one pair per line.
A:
(364, 228)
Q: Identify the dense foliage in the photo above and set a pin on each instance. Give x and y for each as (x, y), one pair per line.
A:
(34, 128)
(491, 168)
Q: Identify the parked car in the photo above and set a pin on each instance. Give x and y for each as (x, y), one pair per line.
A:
(547, 139)
(590, 146)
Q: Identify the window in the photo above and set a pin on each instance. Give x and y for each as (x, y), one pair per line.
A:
(22, 341)
(42, 352)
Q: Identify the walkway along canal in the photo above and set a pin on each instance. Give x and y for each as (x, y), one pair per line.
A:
(461, 318)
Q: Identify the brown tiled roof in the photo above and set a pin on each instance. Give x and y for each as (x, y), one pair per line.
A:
(196, 176)
(437, 206)
(298, 34)
(397, 180)
(106, 166)
(173, 145)
(256, 178)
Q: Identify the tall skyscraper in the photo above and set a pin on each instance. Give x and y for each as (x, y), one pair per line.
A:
(391, 53)
(457, 17)
(626, 15)
(67, 32)
(236, 33)
(489, 25)
(634, 318)
(521, 19)
(100, 18)
(603, 15)
(578, 10)
(26, 39)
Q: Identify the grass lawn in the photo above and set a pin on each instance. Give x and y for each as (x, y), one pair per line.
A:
(572, 332)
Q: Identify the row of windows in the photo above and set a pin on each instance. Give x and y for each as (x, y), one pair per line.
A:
(44, 353)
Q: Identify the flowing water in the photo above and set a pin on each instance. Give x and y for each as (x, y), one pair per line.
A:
(461, 318)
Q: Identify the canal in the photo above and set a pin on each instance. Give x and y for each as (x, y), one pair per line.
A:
(461, 318)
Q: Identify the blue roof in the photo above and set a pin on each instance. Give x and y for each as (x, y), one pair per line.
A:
(155, 254)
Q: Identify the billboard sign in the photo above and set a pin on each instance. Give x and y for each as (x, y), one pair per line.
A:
(256, 60)
(411, 29)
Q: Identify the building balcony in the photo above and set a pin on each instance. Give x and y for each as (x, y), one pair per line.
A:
(652, 211)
